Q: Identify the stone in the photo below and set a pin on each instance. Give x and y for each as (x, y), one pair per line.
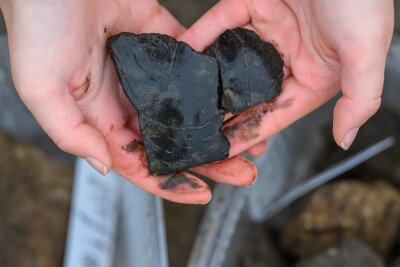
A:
(251, 70)
(175, 91)
(350, 253)
(366, 211)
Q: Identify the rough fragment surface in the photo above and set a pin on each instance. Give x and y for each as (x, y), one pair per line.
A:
(251, 70)
(175, 91)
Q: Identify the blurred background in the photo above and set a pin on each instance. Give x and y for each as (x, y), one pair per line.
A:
(347, 217)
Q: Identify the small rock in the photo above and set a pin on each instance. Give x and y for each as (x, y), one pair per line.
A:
(350, 253)
(366, 211)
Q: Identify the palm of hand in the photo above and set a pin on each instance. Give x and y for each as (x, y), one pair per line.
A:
(63, 74)
(67, 57)
(324, 44)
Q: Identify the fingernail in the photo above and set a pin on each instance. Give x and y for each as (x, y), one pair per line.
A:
(254, 181)
(255, 174)
(208, 201)
(100, 167)
(349, 138)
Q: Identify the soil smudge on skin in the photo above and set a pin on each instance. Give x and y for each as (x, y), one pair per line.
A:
(174, 180)
(131, 147)
(247, 128)
(273, 105)
(253, 120)
(230, 130)
(87, 83)
(80, 91)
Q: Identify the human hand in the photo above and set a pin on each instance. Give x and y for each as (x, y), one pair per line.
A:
(63, 73)
(325, 44)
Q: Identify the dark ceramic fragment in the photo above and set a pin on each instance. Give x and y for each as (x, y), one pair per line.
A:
(251, 70)
(175, 91)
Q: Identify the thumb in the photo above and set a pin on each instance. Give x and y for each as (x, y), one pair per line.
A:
(362, 83)
(57, 113)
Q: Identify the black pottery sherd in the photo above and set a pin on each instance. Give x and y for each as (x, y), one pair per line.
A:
(251, 70)
(175, 91)
(181, 95)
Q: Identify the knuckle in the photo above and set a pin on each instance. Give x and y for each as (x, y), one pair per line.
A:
(62, 144)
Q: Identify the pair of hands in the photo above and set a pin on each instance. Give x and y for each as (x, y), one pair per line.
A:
(64, 75)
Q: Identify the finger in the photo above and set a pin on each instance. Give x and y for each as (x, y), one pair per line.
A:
(362, 60)
(228, 116)
(361, 99)
(226, 14)
(56, 111)
(260, 122)
(258, 149)
(362, 84)
(129, 160)
(163, 22)
(235, 171)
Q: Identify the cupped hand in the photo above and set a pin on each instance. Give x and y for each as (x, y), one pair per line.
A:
(326, 45)
(63, 73)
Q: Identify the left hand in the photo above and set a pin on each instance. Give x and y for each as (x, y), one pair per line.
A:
(325, 44)
(62, 72)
